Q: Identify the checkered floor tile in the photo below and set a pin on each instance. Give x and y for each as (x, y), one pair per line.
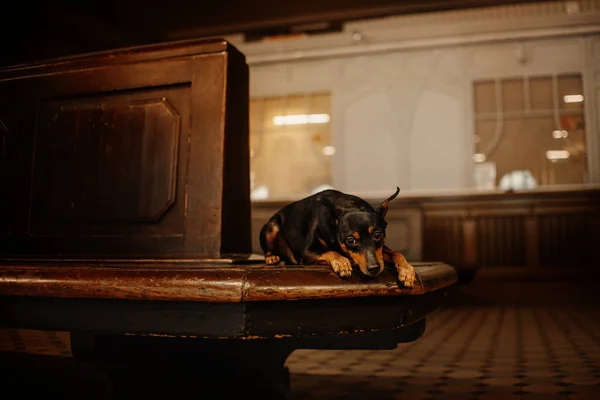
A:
(478, 353)
(492, 352)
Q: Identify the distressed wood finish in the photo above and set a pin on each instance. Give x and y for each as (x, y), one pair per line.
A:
(184, 326)
(132, 153)
(206, 283)
(302, 319)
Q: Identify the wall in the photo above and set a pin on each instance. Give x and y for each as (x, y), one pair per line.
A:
(402, 94)
(592, 92)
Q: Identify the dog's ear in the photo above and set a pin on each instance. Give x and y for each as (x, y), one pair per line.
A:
(334, 210)
(383, 207)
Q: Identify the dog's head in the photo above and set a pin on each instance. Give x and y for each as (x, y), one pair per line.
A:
(361, 234)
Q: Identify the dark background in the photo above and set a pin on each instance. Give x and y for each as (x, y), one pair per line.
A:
(35, 29)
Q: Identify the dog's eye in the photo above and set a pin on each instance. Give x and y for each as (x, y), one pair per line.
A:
(351, 241)
(377, 235)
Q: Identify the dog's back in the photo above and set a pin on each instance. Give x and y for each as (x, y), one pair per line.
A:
(294, 221)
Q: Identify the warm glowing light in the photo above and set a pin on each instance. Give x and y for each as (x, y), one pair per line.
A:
(328, 150)
(260, 193)
(300, 119)
(557, 155)
(573, 98)
(479, 157)
(560, 134)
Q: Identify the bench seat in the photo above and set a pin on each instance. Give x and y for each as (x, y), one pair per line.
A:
(172, 322)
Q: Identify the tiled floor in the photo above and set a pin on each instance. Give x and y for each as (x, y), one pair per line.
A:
(468, 352)
(497, 351)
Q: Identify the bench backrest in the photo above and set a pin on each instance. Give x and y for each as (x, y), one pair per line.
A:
(134, 153)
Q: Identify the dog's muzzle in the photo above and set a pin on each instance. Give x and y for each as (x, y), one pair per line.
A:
(373, 269)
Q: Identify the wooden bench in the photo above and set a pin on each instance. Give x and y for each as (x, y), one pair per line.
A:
(178, 325)
(129, 218)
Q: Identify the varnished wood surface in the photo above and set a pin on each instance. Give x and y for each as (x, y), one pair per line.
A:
(207, 283)
(157, 51)
(132, 153)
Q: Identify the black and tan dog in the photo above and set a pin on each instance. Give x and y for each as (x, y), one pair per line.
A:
(334, 228)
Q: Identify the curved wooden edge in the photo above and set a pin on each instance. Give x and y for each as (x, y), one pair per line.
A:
(236, 283)
(140, 53)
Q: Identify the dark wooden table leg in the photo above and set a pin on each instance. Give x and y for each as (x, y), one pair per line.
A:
(148, 367)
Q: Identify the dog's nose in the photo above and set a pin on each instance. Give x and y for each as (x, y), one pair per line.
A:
(373, 269)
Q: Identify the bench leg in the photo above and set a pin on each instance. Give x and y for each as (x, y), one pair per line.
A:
(145, 367)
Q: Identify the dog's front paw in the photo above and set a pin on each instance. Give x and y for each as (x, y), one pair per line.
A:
(272, 259)
(342, 267)
(406, 274)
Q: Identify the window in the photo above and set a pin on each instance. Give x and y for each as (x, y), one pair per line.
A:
(531, 126)
(290, 145)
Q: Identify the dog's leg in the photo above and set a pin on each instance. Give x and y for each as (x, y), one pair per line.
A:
(316, 251)
(406, 272)
(340, 264)
(269, 240)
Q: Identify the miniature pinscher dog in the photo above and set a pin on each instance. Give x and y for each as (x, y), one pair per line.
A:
(334, 228)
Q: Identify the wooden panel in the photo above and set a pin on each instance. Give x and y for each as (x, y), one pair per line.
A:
(128, 153)
(7, 130)
(566, 239)
(443, 239)
(525, 229)
(403, 232)
(532, 240)
(501, 241)
(236, 210)
(470, 243)
(104, 160)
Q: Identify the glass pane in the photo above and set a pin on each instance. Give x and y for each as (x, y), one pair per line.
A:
(573, 169)
(257, 114)
(524, 145)
(540, 93)
(513, 98)
(516, 149)
(484, 97)
(291, 155)
(570, 92)
(273, 107)
(531, 147)
(484, 131)
(297, 105)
